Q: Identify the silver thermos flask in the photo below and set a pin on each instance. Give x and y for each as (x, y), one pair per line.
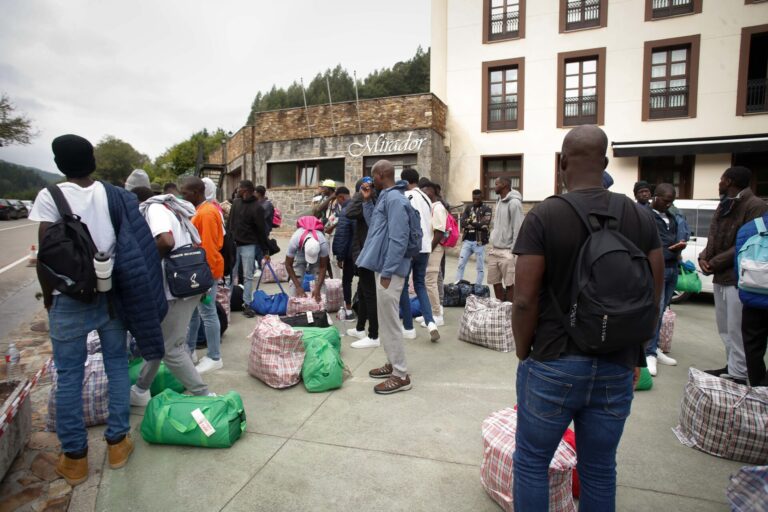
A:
(102, 263)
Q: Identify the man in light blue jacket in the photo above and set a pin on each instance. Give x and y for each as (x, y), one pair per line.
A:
(384, 254)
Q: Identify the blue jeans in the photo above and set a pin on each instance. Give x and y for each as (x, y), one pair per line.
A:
(670, 281)
(250, 256)
(597, 396)
(468, 248)
(419, 269)
(210, 323)
(70, 322)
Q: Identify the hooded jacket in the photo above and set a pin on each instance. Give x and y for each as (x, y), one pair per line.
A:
(387, 240)
(355, 213)
(721, 240)
(344, 235)
(507, 220)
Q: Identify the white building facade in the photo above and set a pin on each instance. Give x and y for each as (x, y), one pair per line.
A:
(679, 86)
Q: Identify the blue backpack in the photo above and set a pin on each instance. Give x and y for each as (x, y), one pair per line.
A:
(752, 261)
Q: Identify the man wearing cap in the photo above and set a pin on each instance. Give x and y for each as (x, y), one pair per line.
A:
(308, 253)
(642, 190)
(136, 301)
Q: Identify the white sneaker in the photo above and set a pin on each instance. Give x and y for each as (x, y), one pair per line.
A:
(665, 359)
(441, 311)
(256, 274)
(207, 364)
(440, 320)
(651, 362)
(419, 319)
(409, 334)
(139, 398)
(434, 334)
(212, 394)
(195, 359)
(355, 333)
(365, 343)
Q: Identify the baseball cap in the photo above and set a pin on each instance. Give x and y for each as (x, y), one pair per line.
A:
(311, 250)
(367, 179)
(328, 183)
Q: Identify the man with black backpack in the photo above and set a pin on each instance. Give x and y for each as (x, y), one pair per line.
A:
(393, 240)
(82, 220)
(589, 276)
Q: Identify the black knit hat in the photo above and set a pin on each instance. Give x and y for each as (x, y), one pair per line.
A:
(73, 155)
(641, 185)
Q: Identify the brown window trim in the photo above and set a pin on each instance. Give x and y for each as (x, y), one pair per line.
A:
(697, 7)
(564, 56)
(750, 2)
(487, 66)
(603, 20)
(744, 49)
(693, 87)
(487, 21)
(483, 158)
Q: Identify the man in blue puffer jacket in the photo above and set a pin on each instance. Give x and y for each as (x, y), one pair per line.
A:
(342, 250)
(754, 314)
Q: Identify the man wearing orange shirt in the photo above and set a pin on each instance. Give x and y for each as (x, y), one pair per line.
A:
(210, 225)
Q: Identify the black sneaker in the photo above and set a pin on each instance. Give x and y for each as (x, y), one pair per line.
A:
(248, 312)
(718, 372)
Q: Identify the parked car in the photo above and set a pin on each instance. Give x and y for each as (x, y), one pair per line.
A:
(698, 213)
(21, 208)
(7, 211)
(28, 204)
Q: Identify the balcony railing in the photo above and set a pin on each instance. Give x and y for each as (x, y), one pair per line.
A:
(502, 116)
(757, 95)
(664, 8)
(504, 26)
(668, 102)
(582, 14)
(580, 110)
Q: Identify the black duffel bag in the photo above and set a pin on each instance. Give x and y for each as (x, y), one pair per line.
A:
(319, 319)
(451, 296)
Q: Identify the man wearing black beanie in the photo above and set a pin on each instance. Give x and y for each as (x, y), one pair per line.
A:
(642, 190)
(71, 320)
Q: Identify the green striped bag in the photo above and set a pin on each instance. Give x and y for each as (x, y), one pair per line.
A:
(206, 421)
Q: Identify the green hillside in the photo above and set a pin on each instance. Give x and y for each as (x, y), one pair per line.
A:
(21, 182)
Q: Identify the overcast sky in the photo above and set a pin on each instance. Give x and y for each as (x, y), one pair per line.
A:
(152, 72)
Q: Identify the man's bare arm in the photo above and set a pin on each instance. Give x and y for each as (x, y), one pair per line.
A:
(529, 274)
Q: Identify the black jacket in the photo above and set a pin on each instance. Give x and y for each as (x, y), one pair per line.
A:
(477, 225)
(668, 236)
(343, 235)
(355, 212)
(246, 223)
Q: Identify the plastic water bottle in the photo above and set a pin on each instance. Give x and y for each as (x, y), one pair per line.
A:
(102, 264)
(12, 359)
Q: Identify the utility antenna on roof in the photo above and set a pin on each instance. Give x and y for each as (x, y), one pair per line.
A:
(357, 105)
(330, 104)
(306, 110)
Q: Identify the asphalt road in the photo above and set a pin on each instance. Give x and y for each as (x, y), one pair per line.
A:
(18, 283)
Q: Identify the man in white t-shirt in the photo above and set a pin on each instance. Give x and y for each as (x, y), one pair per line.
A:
(421, 202)
(71, 320)
(439, 219)
(161, 213)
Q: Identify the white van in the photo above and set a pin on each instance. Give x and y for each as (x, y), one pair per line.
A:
(698, 213)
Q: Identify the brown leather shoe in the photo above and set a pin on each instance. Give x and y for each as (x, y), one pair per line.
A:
(74, 471)
(381, 373)
(393, 384)
(119, 453)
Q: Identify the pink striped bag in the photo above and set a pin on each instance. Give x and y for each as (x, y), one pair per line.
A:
(95, 393)
(277, 353)
(667, 328)
(497, 470)
(333, 294)
(298, 305)
(280, 272)
(222, 297)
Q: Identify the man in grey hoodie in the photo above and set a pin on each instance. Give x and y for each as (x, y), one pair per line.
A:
(506, 224)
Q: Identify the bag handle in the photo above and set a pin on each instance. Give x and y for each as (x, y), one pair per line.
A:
(59, 200)
(269, 266)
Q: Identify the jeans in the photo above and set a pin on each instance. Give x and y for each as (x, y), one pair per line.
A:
(250, 256)
(366, 303)
(728, 311)
(419, 269)
(670, 281)
(211, 325)
(597, 396)
(70, 322)
(468, 248)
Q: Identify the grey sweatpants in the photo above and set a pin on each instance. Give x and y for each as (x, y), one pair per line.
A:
(728, 318)
(177, 357)
(390, 326)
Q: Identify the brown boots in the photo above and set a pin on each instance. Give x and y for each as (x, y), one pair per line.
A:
(75, 471)
(118, 453)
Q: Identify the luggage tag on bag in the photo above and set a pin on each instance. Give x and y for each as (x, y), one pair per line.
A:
(203, 422)
(310, 317)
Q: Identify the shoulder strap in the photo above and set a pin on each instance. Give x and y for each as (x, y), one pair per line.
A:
(760, 224)
(592, 218)
(59, 200)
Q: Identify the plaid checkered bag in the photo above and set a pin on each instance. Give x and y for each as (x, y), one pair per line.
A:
(724, 418)
(667, 328)
(497, 470)
(748, 490)
(488, 323)
(333, 294)
(95, 393)
(93, 342)
(280, 272)
(298, 305)
(222, 297)
(277, 353)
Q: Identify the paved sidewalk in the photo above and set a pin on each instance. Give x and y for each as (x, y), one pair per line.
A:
(418, 450)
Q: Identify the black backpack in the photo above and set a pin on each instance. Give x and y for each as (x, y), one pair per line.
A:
(187, 272)
(612, 301)
(65, 258)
